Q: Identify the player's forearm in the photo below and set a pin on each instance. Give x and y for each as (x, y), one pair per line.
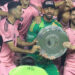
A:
(23, 43)
(59, 3)
(3, 13)
(16, 49)
(19, 50)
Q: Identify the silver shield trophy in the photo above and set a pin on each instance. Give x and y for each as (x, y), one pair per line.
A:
(51, 39)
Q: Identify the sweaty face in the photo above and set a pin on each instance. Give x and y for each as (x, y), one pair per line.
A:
(48, 12)
(73, 17)
(16, 12)
(25, 3)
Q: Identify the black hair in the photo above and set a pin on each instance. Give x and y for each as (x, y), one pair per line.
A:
(28, 60)
(13, 4)
(73, 9)
(2, 2)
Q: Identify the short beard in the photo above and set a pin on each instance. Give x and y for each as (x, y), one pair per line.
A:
(48, 18)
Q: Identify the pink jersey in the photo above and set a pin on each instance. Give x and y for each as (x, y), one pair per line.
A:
(70, 60)
(37, 3)
(73, 4)
(4, 8)
(27, 16)
(9, 33)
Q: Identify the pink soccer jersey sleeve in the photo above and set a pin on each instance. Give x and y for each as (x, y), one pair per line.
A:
(73, 1)
(71, 35)
(42, 1)
(37, 3)
(5, 31)
(4, 8)
(35, 12)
